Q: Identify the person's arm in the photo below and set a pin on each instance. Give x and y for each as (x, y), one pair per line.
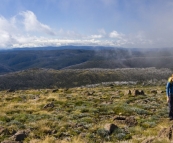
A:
(168, 99)
(168, 91)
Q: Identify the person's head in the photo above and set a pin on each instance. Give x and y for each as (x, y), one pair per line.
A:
(171, 79)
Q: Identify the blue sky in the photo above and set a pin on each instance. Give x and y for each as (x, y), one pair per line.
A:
(115, 23)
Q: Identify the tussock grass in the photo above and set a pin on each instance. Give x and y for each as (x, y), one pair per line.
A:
(79, 114)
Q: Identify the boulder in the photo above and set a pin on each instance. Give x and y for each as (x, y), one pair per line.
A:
(119, 118)
(110, 128)
(138, 92)
(142, 92)
(129, 121)
(49, 105)
(20, 135)
(128, 92)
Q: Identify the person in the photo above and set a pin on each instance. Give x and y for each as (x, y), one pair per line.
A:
(169, 93)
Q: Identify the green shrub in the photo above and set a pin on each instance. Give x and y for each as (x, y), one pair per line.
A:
(139, 111)
(102, 133)
(123, 108)
(120, 134)
(17, 123)
(84, 110)
(21, 117)
(79, 103)
(87, 120)
(148, 124)
(5, 119)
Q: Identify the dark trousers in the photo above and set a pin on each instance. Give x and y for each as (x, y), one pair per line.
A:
(171, 107)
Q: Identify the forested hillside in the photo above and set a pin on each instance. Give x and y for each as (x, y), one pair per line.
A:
(82, 58)
(44, 78)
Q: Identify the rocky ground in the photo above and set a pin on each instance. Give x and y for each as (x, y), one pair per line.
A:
(105, 113)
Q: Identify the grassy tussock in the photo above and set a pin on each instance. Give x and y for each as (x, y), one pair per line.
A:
(78, 115)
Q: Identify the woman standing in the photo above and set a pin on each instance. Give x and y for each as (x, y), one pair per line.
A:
(169, 93)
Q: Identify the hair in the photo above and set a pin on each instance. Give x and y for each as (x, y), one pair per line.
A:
(170, 79)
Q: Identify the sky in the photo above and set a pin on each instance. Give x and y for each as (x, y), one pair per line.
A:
(112, 23)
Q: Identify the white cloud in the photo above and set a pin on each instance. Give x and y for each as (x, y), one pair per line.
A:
(6, 39)
(32, 24)
(42, 41)
(7, 25)
(96, 36)
(102, 31)
(18, 32)
(115, 34)
(12, 34)
(6, 32)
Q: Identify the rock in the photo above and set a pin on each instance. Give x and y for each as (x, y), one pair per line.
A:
(142, 92)
(3, 131)
(49, 105)
(82, 135)
(148, 140)
(131, 121)
(10, 90)
(154, 91)
(20, 135)
(128, 92)
(138, 92)
(166, 133)
(163, 91)
(89, 93)
(54, 90)
(119, 118)
(110, 127)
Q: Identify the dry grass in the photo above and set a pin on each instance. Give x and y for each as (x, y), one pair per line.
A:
(79, 114)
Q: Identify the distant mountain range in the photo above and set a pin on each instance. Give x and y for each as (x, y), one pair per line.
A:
(82, 57)
(70, 66)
